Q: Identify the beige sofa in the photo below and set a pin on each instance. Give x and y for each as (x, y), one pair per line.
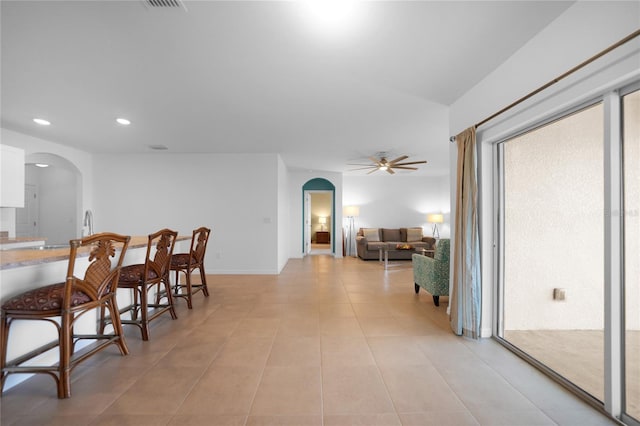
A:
(369, 241)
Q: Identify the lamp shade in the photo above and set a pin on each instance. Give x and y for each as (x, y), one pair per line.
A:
(435, 218)
(351, 211)
(322, 220)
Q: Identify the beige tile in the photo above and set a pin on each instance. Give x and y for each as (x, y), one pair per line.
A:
(393, 350)
(284, 421)
(193, 353)
(159, 391)
(388, 419)
(223, 390)
(340, 327)
(251, 351)
(57, 420)
(131, 420)
(411, 389)
(339, 351)
(336, 310)
(383, 326)
(439, 418)
(295, 352)
(288, 391)
(257, 327)
(512, 418)
(372, 310)
(354, 390)
(204, 420)
(299, 327)
(582, 417)
(480, 388)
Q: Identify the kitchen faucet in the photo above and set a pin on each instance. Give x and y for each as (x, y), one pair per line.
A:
(88, 221)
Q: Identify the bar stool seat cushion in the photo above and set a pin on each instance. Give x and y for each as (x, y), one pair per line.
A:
(180, 260)
(44, 299)
(135, 273)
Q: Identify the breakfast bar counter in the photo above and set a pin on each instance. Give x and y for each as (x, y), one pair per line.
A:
(29, 256)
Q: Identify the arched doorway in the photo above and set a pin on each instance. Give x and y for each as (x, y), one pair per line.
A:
(316, 221)
(53, 199)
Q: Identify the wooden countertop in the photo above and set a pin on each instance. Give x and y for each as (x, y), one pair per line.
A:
(25, 257)
(7, 240)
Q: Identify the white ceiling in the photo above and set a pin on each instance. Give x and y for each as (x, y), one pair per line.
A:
(251, 76)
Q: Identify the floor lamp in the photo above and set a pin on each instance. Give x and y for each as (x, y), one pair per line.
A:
(350, 212)
(435, 218)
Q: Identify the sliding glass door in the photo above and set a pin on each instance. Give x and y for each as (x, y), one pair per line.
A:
(553, 238)
(569, 265)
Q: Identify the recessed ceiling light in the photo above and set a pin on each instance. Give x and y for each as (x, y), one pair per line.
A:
(41, 165)
(123, 121)
(42, 121)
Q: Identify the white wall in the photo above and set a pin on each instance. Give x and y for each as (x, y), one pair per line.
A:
(283, 215)
(582, 31)
(398, 201)
(236, 195)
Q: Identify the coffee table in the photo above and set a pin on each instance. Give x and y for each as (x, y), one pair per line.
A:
(383, 251)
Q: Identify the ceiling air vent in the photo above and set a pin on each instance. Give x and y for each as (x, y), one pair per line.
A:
(165, 4)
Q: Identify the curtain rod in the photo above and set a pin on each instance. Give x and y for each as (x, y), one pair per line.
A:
(557, 79)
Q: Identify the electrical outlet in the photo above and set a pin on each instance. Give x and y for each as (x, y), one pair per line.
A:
(559, 294)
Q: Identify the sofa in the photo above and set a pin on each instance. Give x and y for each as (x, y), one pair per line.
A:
(432, 274)
(369, 241)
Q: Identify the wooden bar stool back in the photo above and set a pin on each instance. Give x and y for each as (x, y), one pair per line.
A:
(189, 262)
(152, 275)
(68, 301)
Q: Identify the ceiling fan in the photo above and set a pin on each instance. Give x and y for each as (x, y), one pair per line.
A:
(383, 164)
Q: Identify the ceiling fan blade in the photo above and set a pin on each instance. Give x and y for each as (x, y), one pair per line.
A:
(374, 170)
(364, 168)
(410, 162)
(375, 160)
(363, 165)
(405, 168)
(390, 171)
(398, 159)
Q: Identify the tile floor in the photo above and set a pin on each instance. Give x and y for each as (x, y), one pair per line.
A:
(326, 342)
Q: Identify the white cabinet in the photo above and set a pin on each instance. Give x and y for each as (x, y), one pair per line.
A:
(11, 176)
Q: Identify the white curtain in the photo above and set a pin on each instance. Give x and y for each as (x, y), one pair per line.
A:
(466, 289)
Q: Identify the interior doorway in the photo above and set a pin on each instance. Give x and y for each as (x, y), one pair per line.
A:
(318, 217)
(321, 221)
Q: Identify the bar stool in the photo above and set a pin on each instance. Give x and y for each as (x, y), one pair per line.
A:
(69, 301)
(153, 274)
(189, 262)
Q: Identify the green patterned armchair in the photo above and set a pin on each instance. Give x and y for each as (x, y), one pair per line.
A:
(433, 274)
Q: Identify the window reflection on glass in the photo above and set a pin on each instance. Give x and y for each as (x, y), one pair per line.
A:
(631, 164)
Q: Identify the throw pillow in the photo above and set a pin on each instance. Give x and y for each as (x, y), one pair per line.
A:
(390, 234)
(371, 234)
(414, 234)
